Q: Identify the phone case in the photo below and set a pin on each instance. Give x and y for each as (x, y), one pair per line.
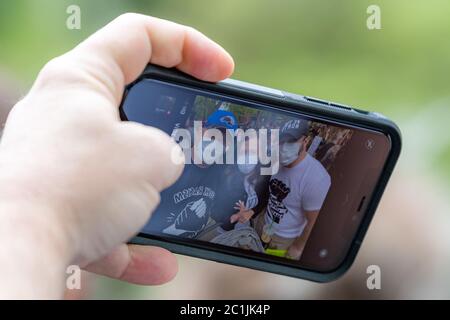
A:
(307, 106)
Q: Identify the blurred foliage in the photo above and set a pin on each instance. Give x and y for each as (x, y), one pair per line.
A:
(317, 48)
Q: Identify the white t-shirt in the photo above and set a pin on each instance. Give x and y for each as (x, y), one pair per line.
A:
(293, 191)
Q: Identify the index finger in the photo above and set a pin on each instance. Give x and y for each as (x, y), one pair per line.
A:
(116, 54)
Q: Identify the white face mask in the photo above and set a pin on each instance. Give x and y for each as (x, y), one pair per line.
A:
(246, 168)
(289, 152)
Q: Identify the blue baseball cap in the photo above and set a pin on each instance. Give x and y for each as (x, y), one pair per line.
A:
(222, 119)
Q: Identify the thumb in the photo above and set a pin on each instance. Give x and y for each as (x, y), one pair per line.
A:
(151, 154)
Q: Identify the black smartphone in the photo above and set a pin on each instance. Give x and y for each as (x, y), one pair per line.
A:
(273, 181)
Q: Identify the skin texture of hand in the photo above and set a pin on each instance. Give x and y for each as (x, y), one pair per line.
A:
(75, 182)
(294, 252)
(296, 249)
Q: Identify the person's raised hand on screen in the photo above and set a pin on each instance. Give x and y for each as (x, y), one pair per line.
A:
(243, 215)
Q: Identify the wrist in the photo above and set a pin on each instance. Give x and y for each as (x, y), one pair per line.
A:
(35, 251)
(27, 207)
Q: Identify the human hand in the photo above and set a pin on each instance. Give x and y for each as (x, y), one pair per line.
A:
(243, 215)
(75, 179)
(294, 251)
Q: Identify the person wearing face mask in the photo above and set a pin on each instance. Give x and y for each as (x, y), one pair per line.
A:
(254, 196)
(186, 207)
(243, 188)
(296, 194)
(253, 188)
(231, 191)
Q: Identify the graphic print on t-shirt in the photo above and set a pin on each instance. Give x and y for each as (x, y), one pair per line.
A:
(278, 192)
(192, 213)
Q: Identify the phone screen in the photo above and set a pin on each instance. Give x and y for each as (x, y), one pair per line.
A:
(259, 181)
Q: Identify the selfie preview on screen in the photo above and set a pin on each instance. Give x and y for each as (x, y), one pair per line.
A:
(254, 179)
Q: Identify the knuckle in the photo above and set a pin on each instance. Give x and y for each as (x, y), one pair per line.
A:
(190, 29)
(51, 70)
(128, 17)
(59, 71)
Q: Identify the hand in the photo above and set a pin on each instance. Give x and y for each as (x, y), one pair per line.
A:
(76, 180)
(244, 213)
(294, 252)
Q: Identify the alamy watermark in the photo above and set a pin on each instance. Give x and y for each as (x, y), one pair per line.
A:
(73, 21)
(373, 21)
(202, 146)
(373, 281)
(73, 281)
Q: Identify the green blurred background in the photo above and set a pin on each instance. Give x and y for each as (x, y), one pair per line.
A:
(316, 48)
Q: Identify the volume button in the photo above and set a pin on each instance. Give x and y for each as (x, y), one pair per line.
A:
(317, 101)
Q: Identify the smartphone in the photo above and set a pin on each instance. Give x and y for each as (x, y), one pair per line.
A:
(273, 181)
